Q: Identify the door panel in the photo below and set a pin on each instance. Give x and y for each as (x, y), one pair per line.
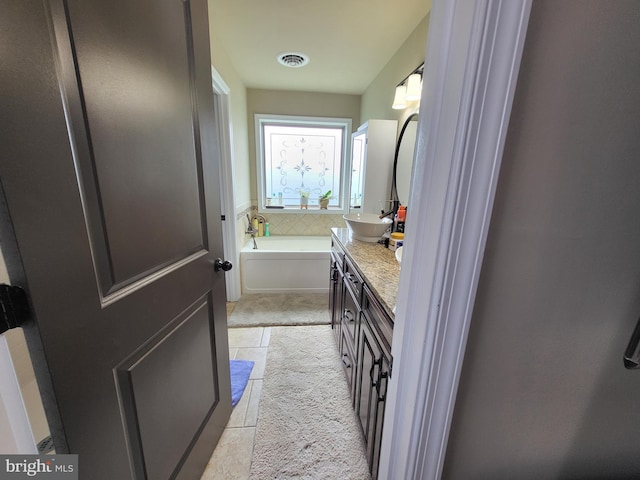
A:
(109, 220)
(137, 134)
(172, 373)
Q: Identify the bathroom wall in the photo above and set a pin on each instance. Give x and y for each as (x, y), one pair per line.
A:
(378, 97)
(240, 157)
(282, 102)
(374, 103)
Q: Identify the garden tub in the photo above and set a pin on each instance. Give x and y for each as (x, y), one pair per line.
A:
(283, 263)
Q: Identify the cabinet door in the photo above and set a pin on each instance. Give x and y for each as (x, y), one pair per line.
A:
(335, 297)
(371, 385)
(350, 314)
(348, 360)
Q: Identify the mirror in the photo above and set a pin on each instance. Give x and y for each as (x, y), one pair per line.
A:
(403, 161)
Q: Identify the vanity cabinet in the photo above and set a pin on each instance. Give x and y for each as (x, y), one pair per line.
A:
(363, 331)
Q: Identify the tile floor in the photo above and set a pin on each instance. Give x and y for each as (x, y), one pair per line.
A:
(231, 459)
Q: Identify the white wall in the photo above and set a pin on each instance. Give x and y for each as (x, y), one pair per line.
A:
(543, 391)
(377, 99)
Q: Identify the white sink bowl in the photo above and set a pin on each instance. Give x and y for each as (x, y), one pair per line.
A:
(399, 255)
(367, 227)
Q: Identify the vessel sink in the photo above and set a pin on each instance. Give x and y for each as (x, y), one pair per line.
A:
(399, 255)
(367, 227)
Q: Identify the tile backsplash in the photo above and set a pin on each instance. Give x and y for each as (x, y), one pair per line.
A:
(295, 223)
(303, 223)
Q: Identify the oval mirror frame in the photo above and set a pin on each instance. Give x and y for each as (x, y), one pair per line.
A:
(403, 162)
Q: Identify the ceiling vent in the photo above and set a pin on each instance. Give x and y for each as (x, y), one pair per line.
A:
(293, 59)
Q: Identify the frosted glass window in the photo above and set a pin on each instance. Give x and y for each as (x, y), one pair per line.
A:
(301, 157)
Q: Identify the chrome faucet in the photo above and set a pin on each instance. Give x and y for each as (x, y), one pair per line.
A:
(251, 231)
(260, 218)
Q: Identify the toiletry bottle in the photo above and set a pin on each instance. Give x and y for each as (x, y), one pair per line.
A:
(260, 229)
(266, 230)
(402, 215)
(279, 198)
(254, 226)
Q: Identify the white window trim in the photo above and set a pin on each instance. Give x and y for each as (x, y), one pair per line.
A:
(345, 179)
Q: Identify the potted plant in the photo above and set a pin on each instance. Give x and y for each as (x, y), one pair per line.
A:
(304, 199)
(323, 200)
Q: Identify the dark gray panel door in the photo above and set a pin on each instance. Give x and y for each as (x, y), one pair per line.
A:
(111, 220)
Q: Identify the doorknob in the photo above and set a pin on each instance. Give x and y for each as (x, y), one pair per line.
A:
(219, 264)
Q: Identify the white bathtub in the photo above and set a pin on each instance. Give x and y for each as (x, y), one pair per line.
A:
(286, 264)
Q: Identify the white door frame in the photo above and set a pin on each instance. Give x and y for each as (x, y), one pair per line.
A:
(473, 58)
(227, 195)
(16, 436)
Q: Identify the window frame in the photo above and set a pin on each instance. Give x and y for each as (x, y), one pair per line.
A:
(303, 121)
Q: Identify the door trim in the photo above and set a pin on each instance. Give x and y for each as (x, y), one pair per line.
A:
(14, 424)
(474, 52)
(222, 94)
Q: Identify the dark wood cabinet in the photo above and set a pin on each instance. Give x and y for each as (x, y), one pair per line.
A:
(363, 332)
(372, 376)
(336, 283)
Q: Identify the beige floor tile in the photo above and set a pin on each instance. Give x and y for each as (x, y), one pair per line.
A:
(245, 337)
(258, 356)
(35, 411)
(232, 353)
(231, 459)
(266, 335)
(251, 416)
(239, 412)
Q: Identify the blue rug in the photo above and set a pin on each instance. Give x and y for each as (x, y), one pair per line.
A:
(240, 372)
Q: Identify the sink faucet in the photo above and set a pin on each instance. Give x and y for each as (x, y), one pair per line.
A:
(394, 208)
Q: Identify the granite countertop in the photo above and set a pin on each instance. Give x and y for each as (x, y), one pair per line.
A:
(377, 264)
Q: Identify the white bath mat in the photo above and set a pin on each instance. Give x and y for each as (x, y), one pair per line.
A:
(273, 309)
(307, 429)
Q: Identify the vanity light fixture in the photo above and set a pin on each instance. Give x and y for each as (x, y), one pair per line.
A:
(399, 101)
(409, 89)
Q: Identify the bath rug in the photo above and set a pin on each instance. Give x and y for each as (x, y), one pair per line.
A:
(306, 427)
(275, 309)
(240, 372)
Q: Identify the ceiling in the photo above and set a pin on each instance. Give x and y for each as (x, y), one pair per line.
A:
(348, 41)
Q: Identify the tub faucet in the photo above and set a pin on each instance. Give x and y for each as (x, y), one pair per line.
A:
(252, 231)
(259, 217)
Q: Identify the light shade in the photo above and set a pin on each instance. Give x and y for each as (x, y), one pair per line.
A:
(414, 87)
(399, 101)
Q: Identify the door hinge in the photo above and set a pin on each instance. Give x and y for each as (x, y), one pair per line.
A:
(223, 217)
(14, 307)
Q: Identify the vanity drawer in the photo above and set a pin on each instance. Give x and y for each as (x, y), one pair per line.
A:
(350, 316)
(353, 280)
(377, 317)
